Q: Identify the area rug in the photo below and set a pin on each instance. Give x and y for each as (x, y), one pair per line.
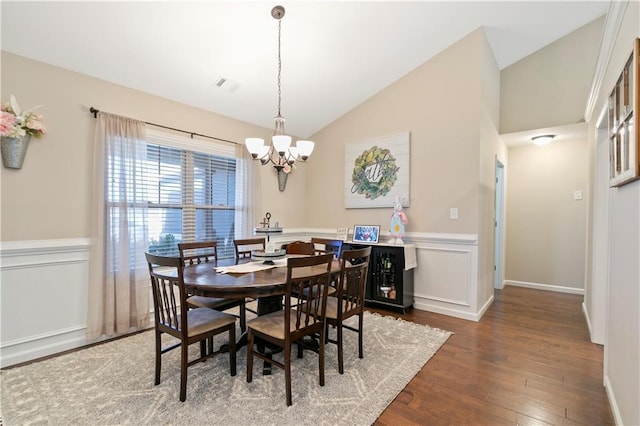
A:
(112, 383)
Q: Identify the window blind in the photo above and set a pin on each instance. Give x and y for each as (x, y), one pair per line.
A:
(190, 193)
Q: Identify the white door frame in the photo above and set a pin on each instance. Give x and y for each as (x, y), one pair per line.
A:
(498, 230)
(597, 299)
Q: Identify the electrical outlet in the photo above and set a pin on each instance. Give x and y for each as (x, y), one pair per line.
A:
(453, 213)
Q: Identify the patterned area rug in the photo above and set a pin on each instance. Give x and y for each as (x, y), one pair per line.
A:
(112, 383)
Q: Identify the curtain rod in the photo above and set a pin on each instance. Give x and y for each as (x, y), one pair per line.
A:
(96, 111)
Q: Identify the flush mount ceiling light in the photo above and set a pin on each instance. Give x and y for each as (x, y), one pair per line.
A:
(542, 139)
(280, 153)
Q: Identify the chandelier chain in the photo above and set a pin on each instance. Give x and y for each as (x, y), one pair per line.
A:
(279, 67)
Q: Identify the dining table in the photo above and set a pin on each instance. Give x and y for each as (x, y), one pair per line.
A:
(267, 284)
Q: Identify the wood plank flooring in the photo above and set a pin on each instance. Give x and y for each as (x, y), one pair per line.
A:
(528, 361)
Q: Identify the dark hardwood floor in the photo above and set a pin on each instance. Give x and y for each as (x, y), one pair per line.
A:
(528, 361)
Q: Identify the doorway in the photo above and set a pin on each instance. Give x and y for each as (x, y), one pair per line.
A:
(498, 229)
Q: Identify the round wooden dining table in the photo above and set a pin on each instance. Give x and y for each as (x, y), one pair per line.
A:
(204, 279)
(267, 286)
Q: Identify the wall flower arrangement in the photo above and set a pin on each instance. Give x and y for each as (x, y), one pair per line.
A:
(15, 123)
(16, 128)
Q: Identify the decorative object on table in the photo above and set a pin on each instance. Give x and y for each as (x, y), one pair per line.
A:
(280, 153)
(376, 170)
(366, 233)
(16, 129)
(267, 256)
(398, 221)
(266, 228)
(342, 234)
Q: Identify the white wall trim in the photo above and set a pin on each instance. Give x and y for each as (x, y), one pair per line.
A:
(546, 287)
(33, 247)
(612, 23)
(612, 401)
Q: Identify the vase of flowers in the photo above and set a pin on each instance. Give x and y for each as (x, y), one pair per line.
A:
(16, 129)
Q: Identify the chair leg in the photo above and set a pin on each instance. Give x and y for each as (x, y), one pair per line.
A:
(287, 371)
(340, 352)
(249, 356)
(300, 349)
(158, 357)
(232, 348)
(184, 349)
(360, 337)
(321, 357)
(203, 348)
(243, 315)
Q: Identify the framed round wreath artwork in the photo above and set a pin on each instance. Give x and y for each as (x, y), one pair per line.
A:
(377, 171)
(374, 173)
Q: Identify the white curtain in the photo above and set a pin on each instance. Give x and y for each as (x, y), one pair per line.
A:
(247, 194)
(118, 299)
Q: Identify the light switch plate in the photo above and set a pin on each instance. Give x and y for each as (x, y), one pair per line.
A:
(453, 213)
(577, 195)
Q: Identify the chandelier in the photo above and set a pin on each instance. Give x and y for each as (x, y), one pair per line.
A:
(281, 154)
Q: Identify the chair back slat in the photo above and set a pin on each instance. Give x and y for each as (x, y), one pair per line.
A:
(243, 247)
(306, 293)
(198, 252)
(325, 245)
(353, 278)
(169, 293)
(300, 247)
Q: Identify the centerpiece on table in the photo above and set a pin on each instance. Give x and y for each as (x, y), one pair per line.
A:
(16, 129)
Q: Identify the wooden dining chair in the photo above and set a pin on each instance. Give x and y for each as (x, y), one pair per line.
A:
(206, 252)
(325, 245)
(243, 247)
(349, 299)
(300, 247)
(302, 316)
(187, 325)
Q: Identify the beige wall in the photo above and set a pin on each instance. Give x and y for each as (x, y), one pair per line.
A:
(450, 104)
(545, 225)
(550, 86)
(622, 341)
(439, 103)
(49, 197)
(491, 149)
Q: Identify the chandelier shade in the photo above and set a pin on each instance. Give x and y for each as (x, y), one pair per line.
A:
(280, 153)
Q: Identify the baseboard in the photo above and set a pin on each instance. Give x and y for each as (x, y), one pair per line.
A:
(612, 401)
(470, 316)
(545, 287)
(586, 318)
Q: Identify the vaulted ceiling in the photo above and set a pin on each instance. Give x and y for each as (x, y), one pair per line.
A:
(335, 55)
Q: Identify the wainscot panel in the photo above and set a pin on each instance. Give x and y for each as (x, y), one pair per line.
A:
(43, 292)
(446, 279)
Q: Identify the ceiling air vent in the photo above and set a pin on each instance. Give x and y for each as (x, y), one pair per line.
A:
(226, 84)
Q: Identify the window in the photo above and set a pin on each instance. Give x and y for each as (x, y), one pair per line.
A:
(190, 191)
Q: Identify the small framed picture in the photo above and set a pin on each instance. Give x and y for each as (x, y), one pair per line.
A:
(342, 234)
(366, 233)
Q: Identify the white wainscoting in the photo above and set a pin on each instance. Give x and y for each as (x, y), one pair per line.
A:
(446, 279)
(43, 287)
(43, 292)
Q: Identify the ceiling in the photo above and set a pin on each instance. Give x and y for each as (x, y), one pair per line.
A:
(335, 55)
